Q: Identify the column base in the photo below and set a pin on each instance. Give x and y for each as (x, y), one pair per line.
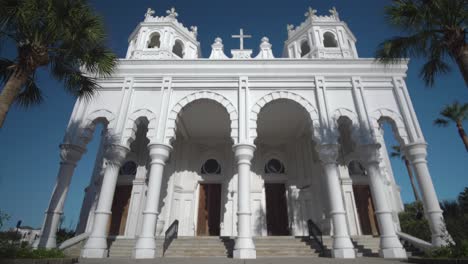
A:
(95, 247)
(393, 253)
(94, 253)
(343, 253)
(244, 249)
(145, 248)
(46, 242)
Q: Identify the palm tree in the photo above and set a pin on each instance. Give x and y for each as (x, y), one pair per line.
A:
(436, 29)
(65, 36)
(397, 153)
(456, 113)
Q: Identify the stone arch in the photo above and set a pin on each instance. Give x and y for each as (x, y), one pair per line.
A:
(330, 40)
(88, 126)
(150, 37)
(308, 107)
(351, 116)
(395, 120)
(305, 47)
(135, 119)
(176, 109)
(178, 48)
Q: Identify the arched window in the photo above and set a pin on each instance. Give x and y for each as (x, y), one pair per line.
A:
(178, 48)
(305, 48)
(129, 168)
(155, 41)
(329, 40)
(356, 168)
(274, 166)
(211, 166)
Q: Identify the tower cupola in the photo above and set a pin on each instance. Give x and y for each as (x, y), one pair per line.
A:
(320, 37)
(163, 38)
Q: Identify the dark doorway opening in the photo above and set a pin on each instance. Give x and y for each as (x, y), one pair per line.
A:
(365, 210)
(209, 210)
(276, 209)
(120, 210)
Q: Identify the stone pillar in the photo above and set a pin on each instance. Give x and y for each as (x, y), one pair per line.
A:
(96, 245)
(416, 153)
(244, 247)
(390, 246)
(342, 245)
(145, 247)
(69, 156)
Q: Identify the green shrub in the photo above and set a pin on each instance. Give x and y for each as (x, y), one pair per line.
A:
(459, 250)
(412, 221)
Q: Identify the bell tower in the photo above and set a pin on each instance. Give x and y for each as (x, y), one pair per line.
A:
(163, 38)
(320, 37)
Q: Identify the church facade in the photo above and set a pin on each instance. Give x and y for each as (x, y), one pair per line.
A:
(244, 146)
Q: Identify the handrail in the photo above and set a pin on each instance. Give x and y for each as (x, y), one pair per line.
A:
(73, 241)
(416, 242)
(316, 233)
(170, 235)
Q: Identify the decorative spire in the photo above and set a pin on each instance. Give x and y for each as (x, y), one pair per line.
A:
(194, 30)
(334, 13)
(149, 13)
(172, 13)
(310, 13)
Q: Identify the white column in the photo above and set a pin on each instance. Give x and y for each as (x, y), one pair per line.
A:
(390, 246)
(96, 246)
(416, 154)
(145, 247)
(244, 247)
(69, 155)
(342, 245)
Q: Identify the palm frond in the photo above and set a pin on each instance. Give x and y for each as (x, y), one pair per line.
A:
(396, 48)
(31, 94)
(441, 122)
(433, 67)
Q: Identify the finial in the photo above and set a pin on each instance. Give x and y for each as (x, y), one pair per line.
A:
(334, 13)
(172, 13)
(218, 40)
(290, 27)
(149, 13)
(265, 40)
(194, 30)
(310, 13)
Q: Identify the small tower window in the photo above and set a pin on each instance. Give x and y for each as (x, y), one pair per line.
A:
(329, 40)
(129, 168)
(178, 49)
(274, 166)
(155, 41)
(211, 166)
(305, 48)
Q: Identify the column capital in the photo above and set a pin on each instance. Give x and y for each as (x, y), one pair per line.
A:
(370, 153)
(159, 152)
(70, 153)
(416, 152)
(244, 151)
(328, 153)
(116, 154)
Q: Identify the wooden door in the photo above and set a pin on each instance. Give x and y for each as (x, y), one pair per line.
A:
(209, 210)
(276, 210)
(365, 210)
(120, 210)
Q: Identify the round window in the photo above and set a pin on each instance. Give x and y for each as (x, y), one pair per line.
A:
(211, 166)
(129, 168)
(274, 166)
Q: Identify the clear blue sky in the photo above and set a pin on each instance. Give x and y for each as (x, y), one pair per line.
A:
(29, 155)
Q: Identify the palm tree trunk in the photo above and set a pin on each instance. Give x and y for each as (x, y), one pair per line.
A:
(411, 177)
(462, 61)
(462, 133)
(10, 91)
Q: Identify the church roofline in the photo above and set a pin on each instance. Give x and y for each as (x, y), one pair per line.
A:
(282, 66)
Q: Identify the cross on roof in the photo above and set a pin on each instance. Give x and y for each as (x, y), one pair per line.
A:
(241, 36)
(172, 13)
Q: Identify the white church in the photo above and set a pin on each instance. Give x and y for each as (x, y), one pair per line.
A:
(244, 147)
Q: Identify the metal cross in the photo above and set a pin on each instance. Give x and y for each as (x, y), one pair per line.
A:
(241, 36)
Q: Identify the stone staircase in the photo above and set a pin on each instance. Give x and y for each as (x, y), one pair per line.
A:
(279, 246)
